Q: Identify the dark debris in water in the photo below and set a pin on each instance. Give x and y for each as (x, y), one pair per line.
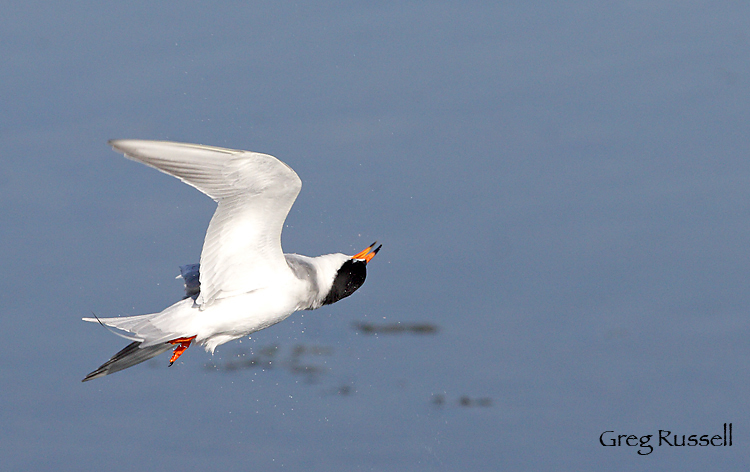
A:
(343, 390)
(299, 360)
(272, 357)
(396, 328)
(465, 401)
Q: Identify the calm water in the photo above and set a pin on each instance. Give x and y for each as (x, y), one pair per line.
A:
(562, 194)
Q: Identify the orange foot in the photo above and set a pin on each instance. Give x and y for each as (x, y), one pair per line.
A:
(184, 343)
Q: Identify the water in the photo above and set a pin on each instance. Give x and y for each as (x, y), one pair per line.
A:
(561, 192)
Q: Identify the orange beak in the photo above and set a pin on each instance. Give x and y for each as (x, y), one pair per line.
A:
(368, 253)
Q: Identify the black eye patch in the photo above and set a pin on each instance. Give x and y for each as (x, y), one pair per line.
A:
(348, 279)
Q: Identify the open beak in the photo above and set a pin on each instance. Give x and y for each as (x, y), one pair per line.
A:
(368, 253)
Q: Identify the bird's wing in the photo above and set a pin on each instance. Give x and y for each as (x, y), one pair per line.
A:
(242, 249)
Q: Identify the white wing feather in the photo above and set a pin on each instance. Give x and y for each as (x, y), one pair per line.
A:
(242, 250)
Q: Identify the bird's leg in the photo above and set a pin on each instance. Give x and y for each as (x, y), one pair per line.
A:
(183, 343)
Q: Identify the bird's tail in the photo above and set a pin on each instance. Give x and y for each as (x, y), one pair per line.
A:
(150, 337)
(132, 354)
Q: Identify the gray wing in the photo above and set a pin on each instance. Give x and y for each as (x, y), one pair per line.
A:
(255, 192)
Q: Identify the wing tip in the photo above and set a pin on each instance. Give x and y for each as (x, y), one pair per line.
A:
(156, 145)
(132, 354)
(117, 143)
(94, 375)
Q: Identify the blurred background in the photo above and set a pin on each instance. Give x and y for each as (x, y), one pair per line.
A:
(562, 191)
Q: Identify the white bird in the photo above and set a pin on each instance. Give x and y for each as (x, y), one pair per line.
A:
(247, 283)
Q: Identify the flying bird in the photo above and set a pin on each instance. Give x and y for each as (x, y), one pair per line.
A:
(247, 283)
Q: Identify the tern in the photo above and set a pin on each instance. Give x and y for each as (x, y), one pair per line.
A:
(247, 283)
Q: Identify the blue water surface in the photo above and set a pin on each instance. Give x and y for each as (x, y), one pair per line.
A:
(562, 191)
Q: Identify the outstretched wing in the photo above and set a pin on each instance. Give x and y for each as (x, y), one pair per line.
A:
(255, 192)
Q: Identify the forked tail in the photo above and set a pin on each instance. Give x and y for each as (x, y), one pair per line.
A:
(150, 337)
(141, 348)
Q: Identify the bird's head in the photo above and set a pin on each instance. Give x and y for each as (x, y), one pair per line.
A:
(351, 274)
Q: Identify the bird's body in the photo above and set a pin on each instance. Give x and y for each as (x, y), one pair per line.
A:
(246, 282)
